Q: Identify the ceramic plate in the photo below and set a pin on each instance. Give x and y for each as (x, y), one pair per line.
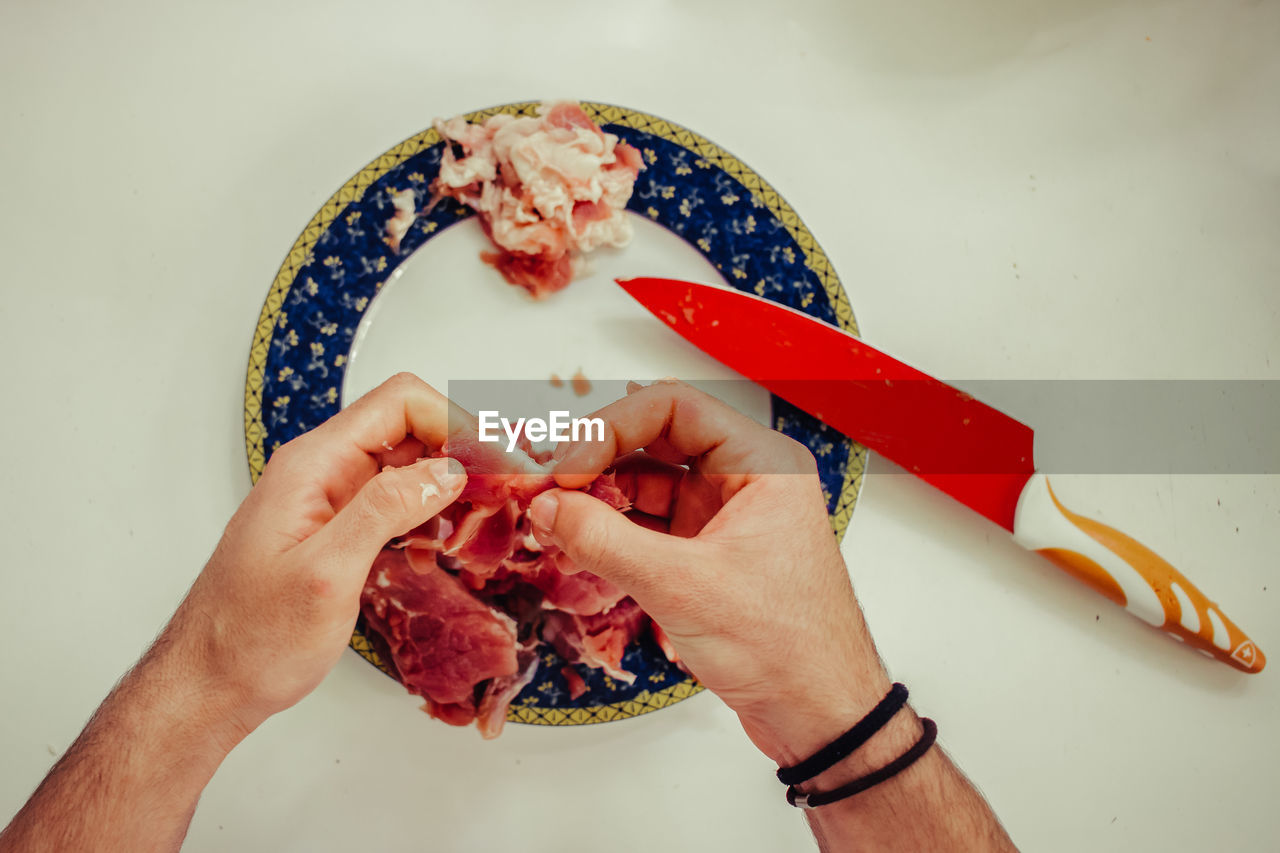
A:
(345, 312)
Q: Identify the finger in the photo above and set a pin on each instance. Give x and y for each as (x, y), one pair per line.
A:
(692, 423)
(391, 503)
(643, 417)
(599, 539)
(650, 522)
(383, 427)
(405, 453)
(401, 407)
(696, 502)
(660, 448)
(651, 485)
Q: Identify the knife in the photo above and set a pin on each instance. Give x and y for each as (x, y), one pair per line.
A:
(973, 452)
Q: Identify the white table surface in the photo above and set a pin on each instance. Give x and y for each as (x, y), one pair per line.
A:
(1043, 189)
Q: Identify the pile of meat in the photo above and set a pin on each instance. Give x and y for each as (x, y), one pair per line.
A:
(547, 189)
(459, 606)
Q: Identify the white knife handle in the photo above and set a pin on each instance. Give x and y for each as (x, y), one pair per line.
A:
(1130, 574)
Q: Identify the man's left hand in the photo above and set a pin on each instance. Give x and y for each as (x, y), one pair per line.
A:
(272, 611)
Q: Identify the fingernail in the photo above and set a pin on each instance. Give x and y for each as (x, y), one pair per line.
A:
(633, 386)
(449, 473)
(542, 512)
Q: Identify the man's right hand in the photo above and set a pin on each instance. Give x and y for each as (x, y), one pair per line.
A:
(734, 558)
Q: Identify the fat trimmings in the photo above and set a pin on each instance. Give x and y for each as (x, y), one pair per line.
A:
(547, 189)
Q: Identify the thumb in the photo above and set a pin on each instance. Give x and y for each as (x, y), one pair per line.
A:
(601, 540)
(393, 502)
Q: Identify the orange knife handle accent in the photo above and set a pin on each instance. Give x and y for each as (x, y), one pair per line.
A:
(1130, 574)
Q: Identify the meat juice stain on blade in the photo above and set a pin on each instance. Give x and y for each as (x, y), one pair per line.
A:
(978, 455)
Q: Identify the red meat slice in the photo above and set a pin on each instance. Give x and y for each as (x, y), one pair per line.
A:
(577, 686)
(568, 115)
(443, 641)
(584, 594)
(589, 211)
(494, 475)
(605, 488)
(453, 713)
(484, 536)
(600, 640)
(491, 714)
(539, 274)
(461, 603)
(628, 158)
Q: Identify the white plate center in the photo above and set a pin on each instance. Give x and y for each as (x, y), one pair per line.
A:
(450, 318)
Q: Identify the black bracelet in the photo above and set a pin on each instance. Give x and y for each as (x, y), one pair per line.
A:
(842, 747)
(902, 762)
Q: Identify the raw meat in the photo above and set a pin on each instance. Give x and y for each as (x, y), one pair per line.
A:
(547, 189)
(491, 710)
(584, 593)
(402, 220)
(460, 606)
(577, 686)
(599, 641)
(443, 641)
(581, 384)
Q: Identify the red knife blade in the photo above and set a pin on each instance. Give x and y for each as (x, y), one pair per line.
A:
(978, 455)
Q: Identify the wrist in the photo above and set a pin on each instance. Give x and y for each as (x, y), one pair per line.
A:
(790, 731)
(896, 738)
(188, 703)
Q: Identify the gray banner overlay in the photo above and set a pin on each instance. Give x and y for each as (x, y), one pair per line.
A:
(1144, 426)
(1081, 426)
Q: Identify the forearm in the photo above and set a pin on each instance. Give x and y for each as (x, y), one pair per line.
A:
(132, 778)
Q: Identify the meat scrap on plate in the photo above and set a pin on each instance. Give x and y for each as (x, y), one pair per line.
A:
(547, 189)
(460, 607)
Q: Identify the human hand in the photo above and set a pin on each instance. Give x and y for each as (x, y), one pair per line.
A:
(261, 626)
(272, 611)
(734, 559)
